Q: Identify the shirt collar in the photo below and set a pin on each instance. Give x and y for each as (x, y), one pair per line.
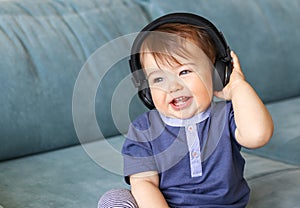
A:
(177, 122)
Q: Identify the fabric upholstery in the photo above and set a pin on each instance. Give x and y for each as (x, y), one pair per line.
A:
(46, 44)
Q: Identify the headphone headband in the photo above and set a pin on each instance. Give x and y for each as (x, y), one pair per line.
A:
(223, 59)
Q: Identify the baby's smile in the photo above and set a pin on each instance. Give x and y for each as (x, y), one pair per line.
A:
(181, 102)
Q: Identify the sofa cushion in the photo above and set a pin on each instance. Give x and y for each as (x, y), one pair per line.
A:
(272, 183)
(73, 177)
(44, 44)
(62, 178)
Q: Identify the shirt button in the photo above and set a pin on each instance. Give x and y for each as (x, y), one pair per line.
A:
(190, 128)
(194, 154)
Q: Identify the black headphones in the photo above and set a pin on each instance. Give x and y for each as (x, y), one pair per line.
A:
(223, 58)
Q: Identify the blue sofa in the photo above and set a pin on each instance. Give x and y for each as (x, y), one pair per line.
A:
(65, 107)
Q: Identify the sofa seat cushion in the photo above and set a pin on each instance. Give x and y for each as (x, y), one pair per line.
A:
(273, 184)
(70, 178)
(65, 178)
(278, 189)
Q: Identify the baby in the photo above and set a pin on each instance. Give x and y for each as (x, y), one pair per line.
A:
(186, 151)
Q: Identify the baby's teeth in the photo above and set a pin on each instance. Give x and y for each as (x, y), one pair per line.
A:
(179, 99)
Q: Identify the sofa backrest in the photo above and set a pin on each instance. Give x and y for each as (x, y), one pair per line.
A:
(46, 43)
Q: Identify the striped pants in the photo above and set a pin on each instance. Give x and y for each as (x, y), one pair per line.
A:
(117, 198)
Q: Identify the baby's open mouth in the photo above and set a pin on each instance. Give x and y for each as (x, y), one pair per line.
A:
(180, 100)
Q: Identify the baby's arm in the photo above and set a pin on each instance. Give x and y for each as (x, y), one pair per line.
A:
(254, 122)
(145, 189)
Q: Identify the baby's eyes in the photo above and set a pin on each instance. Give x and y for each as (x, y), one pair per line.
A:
(160, 77)
(158, 80)
(184, 72)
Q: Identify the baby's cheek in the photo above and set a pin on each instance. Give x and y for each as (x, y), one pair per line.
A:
(158, 96)
(208, 84)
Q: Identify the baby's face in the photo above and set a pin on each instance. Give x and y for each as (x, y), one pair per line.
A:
(184, 90)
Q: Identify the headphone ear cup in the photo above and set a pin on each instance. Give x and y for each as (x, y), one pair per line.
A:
(219, 75)
(145, 96)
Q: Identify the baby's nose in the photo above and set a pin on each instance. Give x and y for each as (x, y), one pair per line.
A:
(174, 84)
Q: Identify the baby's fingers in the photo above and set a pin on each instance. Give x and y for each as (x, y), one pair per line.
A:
(235, 60)
(237, 72)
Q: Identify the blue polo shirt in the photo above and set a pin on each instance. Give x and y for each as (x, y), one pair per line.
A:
(198, 159)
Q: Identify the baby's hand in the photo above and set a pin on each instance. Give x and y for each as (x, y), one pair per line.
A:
(236, 78)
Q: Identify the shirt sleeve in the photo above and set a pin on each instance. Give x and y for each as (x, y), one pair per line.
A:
(137, 152)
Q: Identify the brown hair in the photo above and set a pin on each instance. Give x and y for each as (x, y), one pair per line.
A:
(170, 38)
